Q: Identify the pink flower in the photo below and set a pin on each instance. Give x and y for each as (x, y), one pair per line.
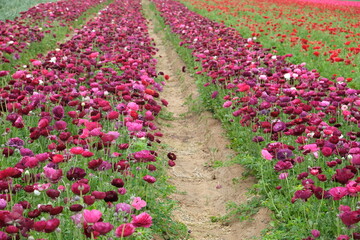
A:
(283, 175)
(312, 147)
(343, 237)
(103, 227)
(227, 104)
(315, 233)
(36, 63)
(92, 216)
(138, 203)
(265, 153)
(134, 127)
(133, 106)
(77, 150)
(3, 203)
(149, 179)
(53, 175)
(124, 230)
(338, 192)
(142, 220)
(77, 219)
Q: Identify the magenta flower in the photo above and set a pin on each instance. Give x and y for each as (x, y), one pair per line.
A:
(15, 142)
(103, 227)
(53, 175)
(58, 112)
(227, 104)
(124, 230)
(142, 220)
(134, 127)
(338, 192)
(315, 233)
(149, 179)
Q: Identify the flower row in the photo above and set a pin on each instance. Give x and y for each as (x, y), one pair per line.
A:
(77, 141)
(303, 121)
(33, 24)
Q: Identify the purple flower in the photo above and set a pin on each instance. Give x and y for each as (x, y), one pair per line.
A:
(283, 154)
(15, 142)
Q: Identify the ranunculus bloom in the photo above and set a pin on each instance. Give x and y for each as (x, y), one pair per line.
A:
(80, 188)
(92, 216)
(227, 104)
(138, 203)
(124, 230)
(142, 220)
(149, 179)
(58, 112)
(326, 151)
(338, 192)
(265, 153)
(103, 227)
(77, 150)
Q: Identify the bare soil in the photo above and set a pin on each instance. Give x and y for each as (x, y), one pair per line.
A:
(198, 140)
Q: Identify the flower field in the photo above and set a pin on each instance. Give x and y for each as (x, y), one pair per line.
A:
(298, 131)
(81, 153)
(324, 34)
(78, 131)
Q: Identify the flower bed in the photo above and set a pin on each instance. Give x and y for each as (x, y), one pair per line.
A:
(33, 24)
(79, 146)
(297, 130)
(324, 34)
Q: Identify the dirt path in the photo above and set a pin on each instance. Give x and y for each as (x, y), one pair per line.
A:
(198, 140)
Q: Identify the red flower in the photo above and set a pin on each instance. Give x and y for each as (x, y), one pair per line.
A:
(326, 151)
(80, 188)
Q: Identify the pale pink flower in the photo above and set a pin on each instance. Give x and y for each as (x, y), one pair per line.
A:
(134, 127)
(283, 175)
(138, 203)
(265, 153)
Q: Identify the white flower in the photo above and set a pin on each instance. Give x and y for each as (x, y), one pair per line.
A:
(287, 76)
(53, 60)
(273, 57)
(10, 42)
(37, 193)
